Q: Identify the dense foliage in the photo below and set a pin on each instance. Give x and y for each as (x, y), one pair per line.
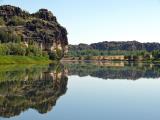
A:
(16, 21)
(156, 54)
(88, 53)
(21, 50)
(2, 22)
(9, 36)
(57, 55)
(105, 53)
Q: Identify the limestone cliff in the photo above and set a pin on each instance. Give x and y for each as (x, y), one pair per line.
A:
(40, 28)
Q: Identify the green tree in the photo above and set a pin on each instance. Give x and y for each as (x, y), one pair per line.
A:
(2, 22)
(156, 54)
(16, 21)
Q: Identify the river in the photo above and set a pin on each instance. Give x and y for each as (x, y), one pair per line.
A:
(80, 91)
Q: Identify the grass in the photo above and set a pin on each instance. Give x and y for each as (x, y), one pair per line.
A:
(23, 60)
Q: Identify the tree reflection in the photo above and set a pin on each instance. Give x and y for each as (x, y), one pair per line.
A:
(36, 87)
(39, 87)
(114, 70)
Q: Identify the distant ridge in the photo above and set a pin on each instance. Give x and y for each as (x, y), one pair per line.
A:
(118, 45)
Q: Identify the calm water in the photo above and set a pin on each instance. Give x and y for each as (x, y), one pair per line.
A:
(80, 91)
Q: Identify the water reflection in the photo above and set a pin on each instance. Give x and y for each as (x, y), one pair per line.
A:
(39, 87)
(36, 87)
(114, 70)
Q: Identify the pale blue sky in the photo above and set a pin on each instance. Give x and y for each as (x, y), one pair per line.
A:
(89, 21)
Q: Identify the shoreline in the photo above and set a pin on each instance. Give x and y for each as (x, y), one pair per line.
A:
(138, 61)
(24, 60)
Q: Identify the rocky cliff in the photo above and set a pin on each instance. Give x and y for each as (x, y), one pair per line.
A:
(124, 45)
(40, 28)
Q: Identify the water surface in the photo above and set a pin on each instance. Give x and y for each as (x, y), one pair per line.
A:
(80, 91)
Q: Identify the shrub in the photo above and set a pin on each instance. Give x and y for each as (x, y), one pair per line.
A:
(45, 54)
(59, 54)
(52, 56)
(9, 37)
(156, 54)
(21, 50)
(33, 50)
(16, 49)
(2, 22)
(4, 50)
(15, 21)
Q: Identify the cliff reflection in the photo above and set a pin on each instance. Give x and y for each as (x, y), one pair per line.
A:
(36, 87)
(114, 70)
(39, 87)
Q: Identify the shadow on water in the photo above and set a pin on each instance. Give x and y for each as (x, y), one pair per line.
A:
(39, 87)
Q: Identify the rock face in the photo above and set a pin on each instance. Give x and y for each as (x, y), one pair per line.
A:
(128, 46)
(41, 28)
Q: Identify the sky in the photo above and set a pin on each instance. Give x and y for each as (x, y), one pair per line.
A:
(91, 21)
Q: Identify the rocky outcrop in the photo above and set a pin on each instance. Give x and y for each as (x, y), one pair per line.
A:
(125, 45)
(9, 11)
(41, 28)
(45, 15)
(80, 47)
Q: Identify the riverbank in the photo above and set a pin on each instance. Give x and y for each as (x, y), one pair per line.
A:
(24, 60)
(146, 58)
